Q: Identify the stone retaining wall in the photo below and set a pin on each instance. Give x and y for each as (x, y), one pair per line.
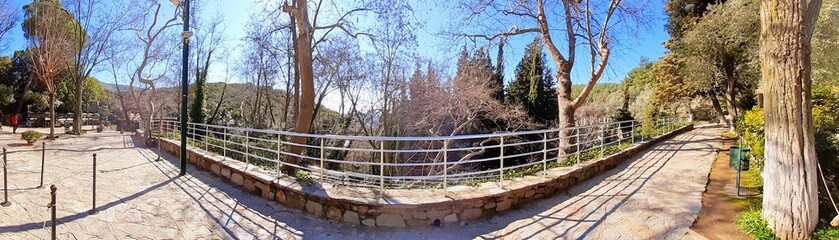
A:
(401, 208)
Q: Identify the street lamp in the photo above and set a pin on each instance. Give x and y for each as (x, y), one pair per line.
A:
(184, 81)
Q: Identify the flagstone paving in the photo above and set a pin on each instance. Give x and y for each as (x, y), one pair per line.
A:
(655, 195)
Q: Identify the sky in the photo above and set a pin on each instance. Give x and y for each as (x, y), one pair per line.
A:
(434, 18)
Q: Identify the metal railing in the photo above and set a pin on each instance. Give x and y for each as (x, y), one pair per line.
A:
(418, 162)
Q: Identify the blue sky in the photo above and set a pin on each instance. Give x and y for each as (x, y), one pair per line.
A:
(432, 44)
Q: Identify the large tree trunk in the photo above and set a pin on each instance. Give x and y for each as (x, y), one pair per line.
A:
(790, 203)
(566, 114)
(718, 109)
(731, 103)
(307, 83)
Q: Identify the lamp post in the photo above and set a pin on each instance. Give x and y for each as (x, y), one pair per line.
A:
(184, 81)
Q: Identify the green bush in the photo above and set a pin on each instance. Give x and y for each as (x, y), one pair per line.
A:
(751, 223)
(31, 136)
(751, 127)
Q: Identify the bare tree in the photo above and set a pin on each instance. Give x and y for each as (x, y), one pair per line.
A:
(154, 57)
(305, 41)
(44, 27)
(790, 190)
(591, 25)
(8, 18)
(93, 34)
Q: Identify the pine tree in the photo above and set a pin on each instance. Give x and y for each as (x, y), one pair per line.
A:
(533, 87)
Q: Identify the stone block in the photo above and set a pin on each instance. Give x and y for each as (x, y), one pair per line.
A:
(503, 205)
(225, 172)
(451, 218)
(471, 214)
(294, 200)
(529, 193)
(438, 214)
(314, 208)
(390, 220)
(351, 217)
(333, 213)
(489, 205)
(419, 215)
(249, 185)
(280, 197)
(237, 179)
(369, 222)
(215, 169)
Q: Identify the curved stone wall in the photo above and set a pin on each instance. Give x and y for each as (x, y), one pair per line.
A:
(404, 208)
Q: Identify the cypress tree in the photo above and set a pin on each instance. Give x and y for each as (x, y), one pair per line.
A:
(533, 87)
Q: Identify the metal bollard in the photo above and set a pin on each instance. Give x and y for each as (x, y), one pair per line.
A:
(52, 206)
(43, 154)
(93, 209)
(5, 179)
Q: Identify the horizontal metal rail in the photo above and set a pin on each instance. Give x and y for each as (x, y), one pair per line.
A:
(418, 161)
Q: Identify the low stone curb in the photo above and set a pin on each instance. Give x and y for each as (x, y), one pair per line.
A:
(404, 208)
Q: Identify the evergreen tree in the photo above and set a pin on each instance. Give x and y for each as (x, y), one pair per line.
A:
(196, 114)
(533, 86)
(498, 76)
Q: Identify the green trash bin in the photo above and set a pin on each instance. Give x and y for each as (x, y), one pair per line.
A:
(734, 152)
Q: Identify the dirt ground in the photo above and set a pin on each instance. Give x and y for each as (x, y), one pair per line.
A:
(719, 205)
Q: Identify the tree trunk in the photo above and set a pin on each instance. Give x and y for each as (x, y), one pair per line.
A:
(566, 113)
(52, 115)
(790, 203)
(718, 109)
(307, 83)
(77, 116)
(731, 103)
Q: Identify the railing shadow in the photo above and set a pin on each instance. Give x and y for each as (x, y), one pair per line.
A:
(621, 184)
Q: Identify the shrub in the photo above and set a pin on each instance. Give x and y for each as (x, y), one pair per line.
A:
(751, 127)
(751, 223)
(31, 136)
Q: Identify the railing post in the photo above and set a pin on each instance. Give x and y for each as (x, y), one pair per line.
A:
(93, 209)
(204, 137)
(52, 209)
(501, 168)
(224, 143)
(247, 147)
(602, 138)
(632, 134)
(382, 166)
(545, 155)
(321, 158)
(578, 143)
(279, 146)
(43, 156)
(446, 167)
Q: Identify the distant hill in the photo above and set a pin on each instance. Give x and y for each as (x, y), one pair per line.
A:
(110, 87)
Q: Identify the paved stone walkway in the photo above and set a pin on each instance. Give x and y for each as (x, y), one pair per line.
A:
(655, 195)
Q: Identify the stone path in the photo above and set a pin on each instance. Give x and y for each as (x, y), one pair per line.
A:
(655, 195)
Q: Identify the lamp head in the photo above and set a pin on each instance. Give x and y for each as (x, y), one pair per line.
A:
(176, 2)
